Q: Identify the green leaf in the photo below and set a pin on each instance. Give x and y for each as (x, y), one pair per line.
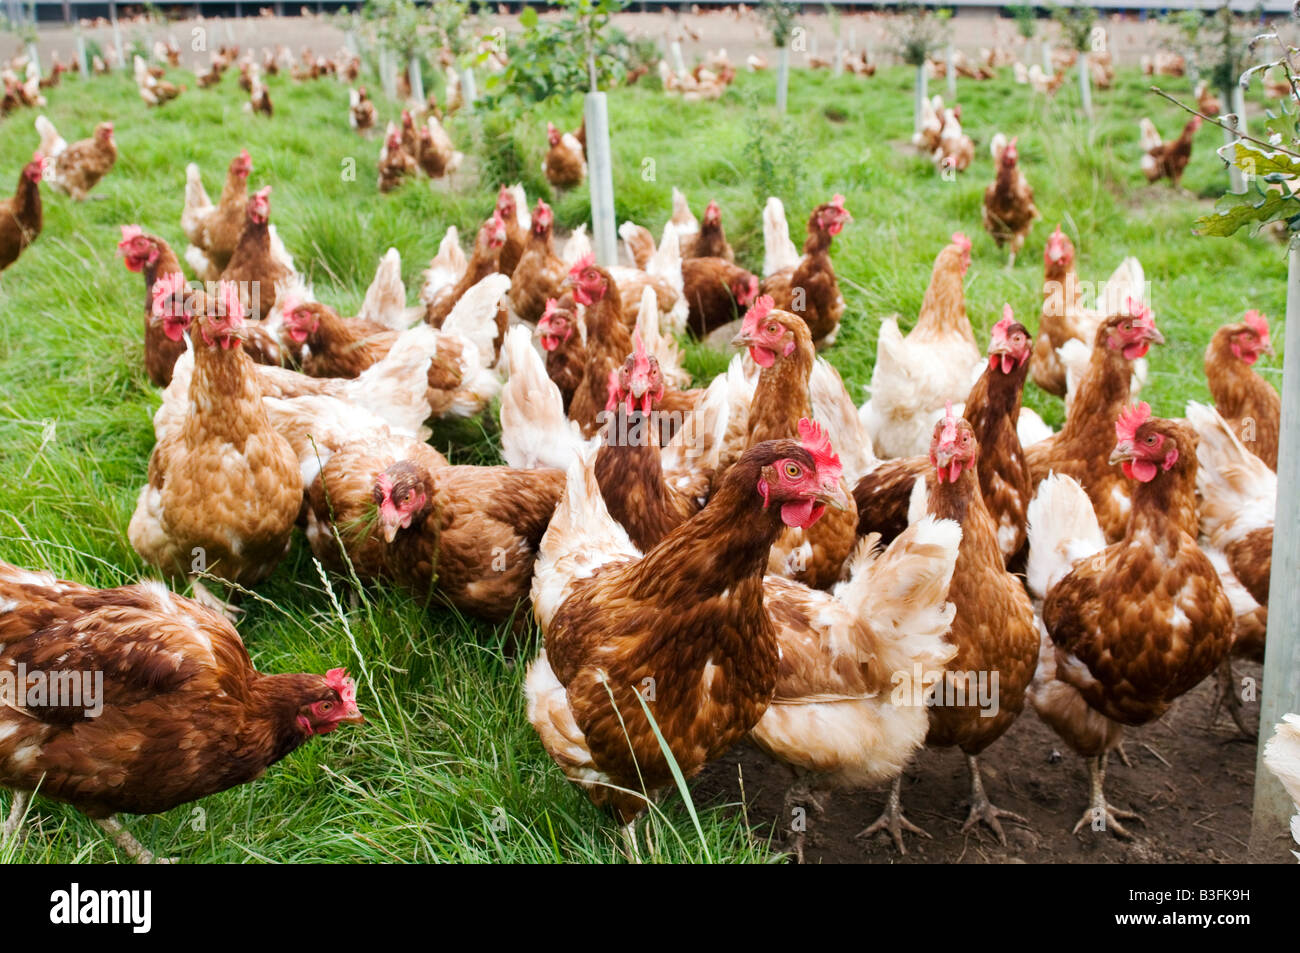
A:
(528, 18)
(1228, 219)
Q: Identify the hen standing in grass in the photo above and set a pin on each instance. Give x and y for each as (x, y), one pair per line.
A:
(1009, 210)
(810, 288)
(224, 489)
(213, 230)
(21, 216)
(184, 713)
(565, 165)
(77, 167)
(1247, 401)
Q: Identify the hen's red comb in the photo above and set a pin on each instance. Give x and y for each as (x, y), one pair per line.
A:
(757, 312)
(814, 439)
(582, 264)
(552, 306)
(132, 232)
(1002, 327)
(949, 432)
(1140, 312)
(641, 355)
(1257, 323)
(337, 679)
(228, 298)
(1130, 419)
(167, 288)
(962, 242)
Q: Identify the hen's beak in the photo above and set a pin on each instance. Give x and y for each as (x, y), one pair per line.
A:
(742, 339)
(353, 717)
(943, 456)
(837, 498)
(1154, 336)
(391, 526)
(1123, 451)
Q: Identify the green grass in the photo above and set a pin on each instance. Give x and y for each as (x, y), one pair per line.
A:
(448, 768)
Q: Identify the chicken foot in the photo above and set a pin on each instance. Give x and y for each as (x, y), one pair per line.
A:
(1227, 697)
(209, 600)
(14, 822)
(1099, 810)
(892, 819)
(799, 797)
(981, 809)
(126, 840)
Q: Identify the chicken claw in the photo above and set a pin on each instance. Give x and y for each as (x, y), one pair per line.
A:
(1099, 808)
(1226, 697)
(981, 809)
(126, 840)
(799, 795)
(892, 819)
(14, 822)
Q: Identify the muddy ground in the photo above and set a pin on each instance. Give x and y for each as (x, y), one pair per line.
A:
(1197, 807)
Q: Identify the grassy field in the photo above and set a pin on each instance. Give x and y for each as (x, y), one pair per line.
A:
(448, 769)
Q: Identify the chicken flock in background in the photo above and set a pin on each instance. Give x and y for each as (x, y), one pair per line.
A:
(811, 548)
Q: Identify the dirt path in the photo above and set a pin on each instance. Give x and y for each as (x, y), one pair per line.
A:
(740, 33)
(1197, 808)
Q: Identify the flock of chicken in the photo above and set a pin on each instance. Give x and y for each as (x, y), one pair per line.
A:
(843, 582)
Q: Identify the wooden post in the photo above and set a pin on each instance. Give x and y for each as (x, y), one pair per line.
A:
(679, 63)
(34, 55)
(1280, 692)
(952, 74)
(782, 77)
(600, 179)
(837, 68)
(83, 60)
(1047, 59)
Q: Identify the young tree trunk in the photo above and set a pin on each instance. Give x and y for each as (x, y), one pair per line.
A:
(34, 55)
(952, 75)
(600, 179)
(1047, 59)
(782, 77)
(83, 60)
(837, 68)
(1280, 693)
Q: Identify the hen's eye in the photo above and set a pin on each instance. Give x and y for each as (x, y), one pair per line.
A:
(772, 329)
(792, 470)
(326, 706)
(1151, 440)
